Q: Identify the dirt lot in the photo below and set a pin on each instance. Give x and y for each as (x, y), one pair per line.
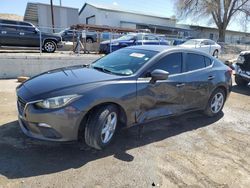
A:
(188, 151)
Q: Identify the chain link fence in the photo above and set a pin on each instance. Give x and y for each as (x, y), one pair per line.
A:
(83, 41)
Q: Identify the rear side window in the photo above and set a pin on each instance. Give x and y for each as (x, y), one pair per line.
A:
(9, 28)
(195, 62)
(150, 37)
(171, 63)
(208, 61)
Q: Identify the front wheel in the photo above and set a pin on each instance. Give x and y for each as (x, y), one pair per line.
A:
(49, 46)
(101, 126)
(215, 103)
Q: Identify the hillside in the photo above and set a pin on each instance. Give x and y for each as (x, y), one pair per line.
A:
(11, 16)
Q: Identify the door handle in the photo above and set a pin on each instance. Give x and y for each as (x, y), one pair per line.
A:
(180, 85)
(21, 33)
(211, 77)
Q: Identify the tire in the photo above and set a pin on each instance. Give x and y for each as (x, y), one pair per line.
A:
(101, 119)
(215, 103)
(89, 40)
(49, 46)
(239, 81)
(216, 53)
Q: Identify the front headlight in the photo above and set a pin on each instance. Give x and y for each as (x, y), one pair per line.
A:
(241, 60)
(56, 102)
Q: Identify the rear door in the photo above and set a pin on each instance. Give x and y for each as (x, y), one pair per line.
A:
(8, 33)
(198, 80)
(165, 97)
(206, 47)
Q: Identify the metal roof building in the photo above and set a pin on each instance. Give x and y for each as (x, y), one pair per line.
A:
(115, 17)
(40, 15)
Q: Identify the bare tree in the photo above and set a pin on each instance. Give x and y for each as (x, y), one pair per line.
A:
(221, 12)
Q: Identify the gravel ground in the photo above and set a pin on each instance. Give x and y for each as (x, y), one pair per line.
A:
(188, 151)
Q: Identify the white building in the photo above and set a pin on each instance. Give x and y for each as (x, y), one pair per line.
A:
(40, 15)
(114, 17)
(213, 34)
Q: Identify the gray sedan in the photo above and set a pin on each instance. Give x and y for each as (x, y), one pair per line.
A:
(131, 86)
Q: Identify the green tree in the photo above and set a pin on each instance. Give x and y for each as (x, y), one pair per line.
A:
(221, 12)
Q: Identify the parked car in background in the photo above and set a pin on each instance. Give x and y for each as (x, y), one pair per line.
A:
(71, 35)
(25, 34)
(131, 39)
(176, 42)
(130, 86)
(206, 45)
(242, 69)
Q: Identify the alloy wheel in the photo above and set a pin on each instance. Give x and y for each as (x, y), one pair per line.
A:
(217, 103)
(49, 46)
(109, 127)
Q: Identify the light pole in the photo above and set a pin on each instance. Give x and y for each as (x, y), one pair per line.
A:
(52, 15)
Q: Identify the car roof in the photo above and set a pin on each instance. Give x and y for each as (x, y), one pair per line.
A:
(165, 48)
(158, 48)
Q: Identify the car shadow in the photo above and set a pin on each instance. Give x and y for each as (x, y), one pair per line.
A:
(241, 90)
(21, 156)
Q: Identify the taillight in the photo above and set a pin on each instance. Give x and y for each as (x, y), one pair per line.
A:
(230, 71)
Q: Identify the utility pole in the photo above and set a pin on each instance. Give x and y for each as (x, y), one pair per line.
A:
(52, 15)
(60, 3)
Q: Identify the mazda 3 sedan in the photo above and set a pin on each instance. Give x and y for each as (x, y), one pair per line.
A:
(130, 86)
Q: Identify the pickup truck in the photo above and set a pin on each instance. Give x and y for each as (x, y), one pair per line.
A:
(242, 69)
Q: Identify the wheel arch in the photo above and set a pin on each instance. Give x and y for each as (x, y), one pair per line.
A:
(224, 88)
(122, 117)
(50, 39)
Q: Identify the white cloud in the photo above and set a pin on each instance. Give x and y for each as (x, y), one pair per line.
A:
(115, 3)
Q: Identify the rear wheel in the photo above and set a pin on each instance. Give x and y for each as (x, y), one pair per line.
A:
(89, 40)
(215, 103)
(240, 81)
(101, 126)
(216, 53)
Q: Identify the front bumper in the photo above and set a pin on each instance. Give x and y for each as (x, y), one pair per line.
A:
(244, 76)
(60, 44)
(52, 125)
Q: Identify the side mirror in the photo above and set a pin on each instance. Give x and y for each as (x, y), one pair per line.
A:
(158, 74)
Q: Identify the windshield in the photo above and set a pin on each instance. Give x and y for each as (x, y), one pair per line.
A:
(192, 42)
(127, 37)
(123, 62)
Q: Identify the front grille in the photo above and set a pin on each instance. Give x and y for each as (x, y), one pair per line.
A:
(21, 104)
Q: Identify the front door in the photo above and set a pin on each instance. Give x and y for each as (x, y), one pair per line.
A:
(165, 97)
(28, 36)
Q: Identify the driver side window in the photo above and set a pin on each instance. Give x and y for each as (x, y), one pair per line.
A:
(171, 63)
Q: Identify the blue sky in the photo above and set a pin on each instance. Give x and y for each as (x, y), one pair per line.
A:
(154, 7)
(161, 7)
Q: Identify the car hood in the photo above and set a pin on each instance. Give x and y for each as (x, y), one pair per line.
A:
(57, 35)
(62, 79)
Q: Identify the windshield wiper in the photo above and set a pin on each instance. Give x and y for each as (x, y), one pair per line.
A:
(102, 69)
